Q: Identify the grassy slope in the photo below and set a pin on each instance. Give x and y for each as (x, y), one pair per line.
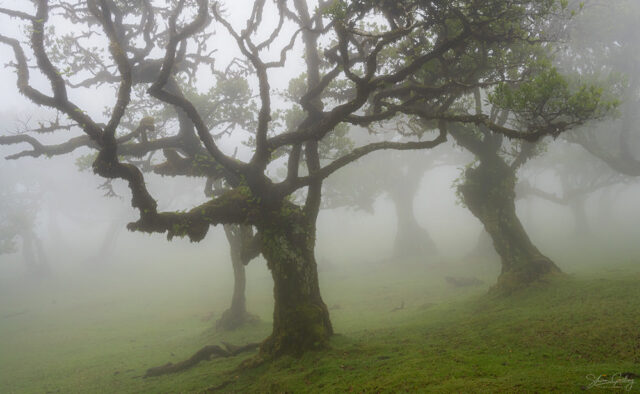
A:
(545, 340)
(445, 340)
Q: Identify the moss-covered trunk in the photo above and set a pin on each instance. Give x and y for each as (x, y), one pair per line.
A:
(412, 240)
(300, 318)
(237, 316)
(488, 191)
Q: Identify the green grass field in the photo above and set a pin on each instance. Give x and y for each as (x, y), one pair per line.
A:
(445, 339)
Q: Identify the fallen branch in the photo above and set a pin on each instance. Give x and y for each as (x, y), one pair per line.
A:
(206, 353)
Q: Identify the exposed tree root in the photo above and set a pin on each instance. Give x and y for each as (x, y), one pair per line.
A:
(206, 353)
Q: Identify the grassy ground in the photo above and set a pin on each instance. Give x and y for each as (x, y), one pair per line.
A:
(545, 339)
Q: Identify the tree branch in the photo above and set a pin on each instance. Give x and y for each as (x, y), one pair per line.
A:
(357, 153)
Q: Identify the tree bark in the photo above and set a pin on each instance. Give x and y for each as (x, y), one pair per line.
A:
(300, 318)
(488, 191)
(236, 316)
(411, 240)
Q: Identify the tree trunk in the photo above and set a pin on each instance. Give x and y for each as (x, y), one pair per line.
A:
(34, 257)
(488, 191)
(237, 316)
(606, 202)
(412, 240)
(108, 245)
(300, 318)
(581, 222)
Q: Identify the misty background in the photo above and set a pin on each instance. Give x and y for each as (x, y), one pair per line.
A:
(576, 209)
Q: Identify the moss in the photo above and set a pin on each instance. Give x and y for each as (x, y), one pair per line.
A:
(488, 190)
(549, 337)
(306, 330)
(301, 319)
(523, 276)
(117, 51)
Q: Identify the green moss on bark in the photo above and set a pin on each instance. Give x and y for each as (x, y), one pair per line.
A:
(301, 318)
(488, 190)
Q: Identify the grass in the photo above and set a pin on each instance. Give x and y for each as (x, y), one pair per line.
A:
(545, 339)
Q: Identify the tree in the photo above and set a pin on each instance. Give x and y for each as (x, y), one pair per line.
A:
(398, 176)
(580, 175)
(340, 48)
(412, 240)
(18, 212)
(488, 187)
(604, 42)
(244, 246)
(535, 97)
(225, 106)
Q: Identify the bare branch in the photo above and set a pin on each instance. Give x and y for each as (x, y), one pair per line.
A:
(357, 153)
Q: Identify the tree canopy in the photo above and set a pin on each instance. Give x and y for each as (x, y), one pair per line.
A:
(364, 63)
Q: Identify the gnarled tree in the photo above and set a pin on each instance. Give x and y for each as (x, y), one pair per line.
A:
(604, 41)
(488, 186)
(149, 47)
(19, 208)
(580, 175)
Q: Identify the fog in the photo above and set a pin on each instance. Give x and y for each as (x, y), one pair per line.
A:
(453, 196)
